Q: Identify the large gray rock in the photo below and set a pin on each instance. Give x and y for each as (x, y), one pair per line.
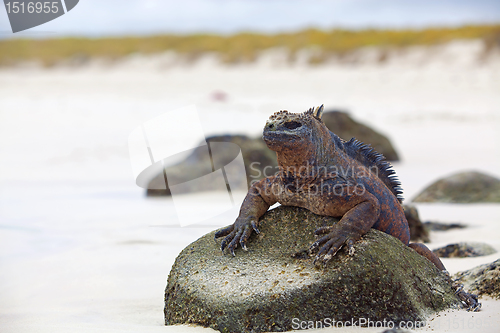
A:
(265, 288)
(464, 187)
(483, 280)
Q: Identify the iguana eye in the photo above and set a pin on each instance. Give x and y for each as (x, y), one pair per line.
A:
(292, 125)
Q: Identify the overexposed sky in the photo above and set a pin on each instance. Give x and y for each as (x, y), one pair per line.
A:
(138, 17)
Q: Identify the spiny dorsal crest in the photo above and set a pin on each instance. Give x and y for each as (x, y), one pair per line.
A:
(365, 154)
(315, 112)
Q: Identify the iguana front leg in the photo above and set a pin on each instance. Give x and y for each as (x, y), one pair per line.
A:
(258, 200)
(360, 214)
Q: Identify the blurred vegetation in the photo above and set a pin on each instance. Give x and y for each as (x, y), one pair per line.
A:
(242, 47)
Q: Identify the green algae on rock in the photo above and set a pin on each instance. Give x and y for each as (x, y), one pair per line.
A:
(483, 280)
(275, 281)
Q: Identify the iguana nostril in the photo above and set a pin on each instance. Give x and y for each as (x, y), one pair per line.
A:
(271, 125)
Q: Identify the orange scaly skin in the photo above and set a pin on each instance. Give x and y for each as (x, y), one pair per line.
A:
(328, 176)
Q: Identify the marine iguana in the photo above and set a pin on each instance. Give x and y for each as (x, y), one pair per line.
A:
(329, 176)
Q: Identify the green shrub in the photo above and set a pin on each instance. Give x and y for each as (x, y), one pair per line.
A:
(242, 47)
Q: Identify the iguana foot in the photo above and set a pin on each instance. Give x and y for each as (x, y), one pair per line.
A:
(238, 232)
(469, 301)
(330, 244)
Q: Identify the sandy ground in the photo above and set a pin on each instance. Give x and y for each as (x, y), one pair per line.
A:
(82, 249)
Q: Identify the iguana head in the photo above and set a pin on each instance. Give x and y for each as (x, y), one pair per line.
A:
(288, 131)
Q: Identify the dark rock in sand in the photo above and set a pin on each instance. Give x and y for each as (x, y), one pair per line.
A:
(438, 226)
(418, 232)
(464, 187)
(463, 250)
(483, 280)
(199, 163)
(345, 127)
(275, 281)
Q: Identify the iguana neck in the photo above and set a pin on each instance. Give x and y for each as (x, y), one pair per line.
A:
(297, 164)
(305, 162)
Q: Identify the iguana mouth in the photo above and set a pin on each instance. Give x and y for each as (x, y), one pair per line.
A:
(273, 135)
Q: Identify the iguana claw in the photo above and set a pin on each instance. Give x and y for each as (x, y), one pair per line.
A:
(469, 301)
(237, 233)
(350, 247)
(254, 226)
(330, 245)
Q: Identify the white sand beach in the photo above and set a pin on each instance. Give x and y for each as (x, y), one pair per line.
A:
(83, 250)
